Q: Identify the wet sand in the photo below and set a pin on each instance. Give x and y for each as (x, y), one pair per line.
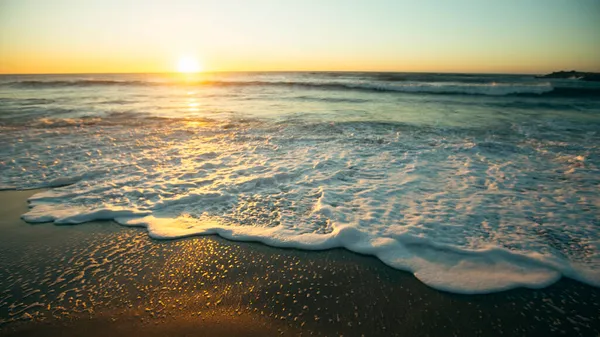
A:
(99, 279)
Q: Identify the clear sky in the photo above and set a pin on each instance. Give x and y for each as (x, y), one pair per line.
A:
(515, 36)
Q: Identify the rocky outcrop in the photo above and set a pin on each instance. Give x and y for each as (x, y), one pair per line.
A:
(577, 75)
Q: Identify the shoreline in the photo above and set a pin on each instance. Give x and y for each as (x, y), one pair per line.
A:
(502, 269)
(106, 278)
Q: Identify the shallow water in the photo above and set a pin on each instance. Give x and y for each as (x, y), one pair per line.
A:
(473, 183)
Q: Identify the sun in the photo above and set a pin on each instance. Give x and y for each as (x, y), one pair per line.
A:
(188, 64)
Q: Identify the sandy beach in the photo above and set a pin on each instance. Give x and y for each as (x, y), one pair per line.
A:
(299, 168)
(102, 279)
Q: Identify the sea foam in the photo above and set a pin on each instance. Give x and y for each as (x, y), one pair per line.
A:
(470, 195)
(463, 215)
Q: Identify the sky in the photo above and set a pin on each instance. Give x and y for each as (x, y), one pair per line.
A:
(476, 36)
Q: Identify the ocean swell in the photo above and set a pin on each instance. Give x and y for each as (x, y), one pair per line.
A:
(447, 88)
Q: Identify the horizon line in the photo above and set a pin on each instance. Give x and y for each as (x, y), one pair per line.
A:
(284, 71)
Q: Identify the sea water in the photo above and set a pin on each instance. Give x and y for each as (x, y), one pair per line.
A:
(474, 183)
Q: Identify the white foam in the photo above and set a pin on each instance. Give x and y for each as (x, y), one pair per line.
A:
(72, 215)
(440, 266)
(491, 89)
(468, 200)
(444, 268)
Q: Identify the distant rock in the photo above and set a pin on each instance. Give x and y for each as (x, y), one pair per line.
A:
(576, 75)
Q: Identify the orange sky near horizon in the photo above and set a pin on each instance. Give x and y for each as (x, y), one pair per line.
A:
(70, 63)
(68, 36)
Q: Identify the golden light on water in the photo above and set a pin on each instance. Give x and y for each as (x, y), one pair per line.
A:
(187, 64)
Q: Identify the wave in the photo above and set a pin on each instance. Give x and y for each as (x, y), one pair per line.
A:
(377, 188)
(462, 78)
(73, 83)
(445, 88)
(421, 77)
(441, 266)
(576, 92)
(27, 101)
(331, 99)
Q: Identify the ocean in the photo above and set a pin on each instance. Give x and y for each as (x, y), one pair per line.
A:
(473, 183)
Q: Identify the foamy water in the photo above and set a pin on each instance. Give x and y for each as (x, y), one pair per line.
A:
(473, 183)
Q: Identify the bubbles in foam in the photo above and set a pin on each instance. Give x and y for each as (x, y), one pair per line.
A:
(448, 213)
(467, 199)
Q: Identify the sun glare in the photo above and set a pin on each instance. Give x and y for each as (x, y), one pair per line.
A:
(188, 64)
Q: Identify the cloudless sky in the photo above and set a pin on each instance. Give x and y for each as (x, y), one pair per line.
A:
(515, 36)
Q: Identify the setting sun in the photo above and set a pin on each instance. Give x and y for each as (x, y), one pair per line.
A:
(188, 64)
(444, 149)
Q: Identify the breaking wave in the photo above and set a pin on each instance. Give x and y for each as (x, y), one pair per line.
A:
(451, 88)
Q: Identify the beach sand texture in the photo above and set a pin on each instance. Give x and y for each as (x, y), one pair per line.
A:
(101, 279)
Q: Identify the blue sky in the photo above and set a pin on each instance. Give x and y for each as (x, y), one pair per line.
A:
(524, 36)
